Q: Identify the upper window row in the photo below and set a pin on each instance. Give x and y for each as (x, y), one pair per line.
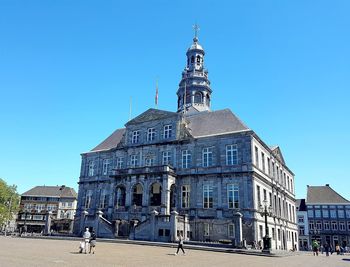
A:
(151, 134)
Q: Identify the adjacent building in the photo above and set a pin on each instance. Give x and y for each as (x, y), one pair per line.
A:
(328, 216)
(196, 172)
(46, 208)
(303, 225)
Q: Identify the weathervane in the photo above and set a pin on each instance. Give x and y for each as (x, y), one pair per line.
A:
(196, 29)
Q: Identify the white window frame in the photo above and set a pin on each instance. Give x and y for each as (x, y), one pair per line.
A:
(103, 200)
(88, 198)
(149, 161)
(341, 226)
(326, 225)
(167, 131)
(208, 201)
(233, 196)
(166, 157)
(91, 168)
(133, 160)
(185, 196)
(207, 157)
(231, 155)
(151, 134)
(135, 137)
(185, 159)
(105, 166)
(334, 226)
(119, 163)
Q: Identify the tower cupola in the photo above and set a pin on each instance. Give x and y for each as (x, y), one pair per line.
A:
(194, 91)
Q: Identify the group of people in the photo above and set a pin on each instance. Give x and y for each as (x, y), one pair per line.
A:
(326, 248)
(89, 242)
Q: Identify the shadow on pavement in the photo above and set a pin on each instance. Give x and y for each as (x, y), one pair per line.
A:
(346, 259)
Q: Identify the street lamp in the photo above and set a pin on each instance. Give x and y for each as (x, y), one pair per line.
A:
(266, 210)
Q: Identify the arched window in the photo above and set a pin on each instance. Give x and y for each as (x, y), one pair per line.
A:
(198, 97)
(155, 194)
(137, 195)
(192, 59)
(198, 59)
(120, 197)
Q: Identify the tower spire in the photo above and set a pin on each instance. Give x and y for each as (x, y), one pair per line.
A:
(196, 30)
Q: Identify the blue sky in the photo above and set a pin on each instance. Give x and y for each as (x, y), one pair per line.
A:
(69, 68)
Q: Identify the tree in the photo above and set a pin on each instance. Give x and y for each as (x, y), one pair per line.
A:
(9, 203)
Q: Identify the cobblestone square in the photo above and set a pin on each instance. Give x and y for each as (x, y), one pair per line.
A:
(41, 252)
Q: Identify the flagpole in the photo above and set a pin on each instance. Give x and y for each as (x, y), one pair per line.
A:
(130, 108)
(156, 97)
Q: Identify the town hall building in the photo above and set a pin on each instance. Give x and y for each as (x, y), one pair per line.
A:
(197, 172)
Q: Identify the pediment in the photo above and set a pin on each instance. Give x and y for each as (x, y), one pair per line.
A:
(151, 115)
(276, 151)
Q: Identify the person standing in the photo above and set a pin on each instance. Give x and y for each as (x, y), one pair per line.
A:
(86, 237)
(315, 247)
(93, 242)
(180, 245)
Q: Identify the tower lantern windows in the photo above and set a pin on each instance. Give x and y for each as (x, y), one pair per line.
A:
(192, 59)
(198, 59)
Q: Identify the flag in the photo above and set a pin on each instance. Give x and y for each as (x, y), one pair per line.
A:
(156, 97)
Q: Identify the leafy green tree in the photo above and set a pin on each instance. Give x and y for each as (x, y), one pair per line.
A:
(9, 202)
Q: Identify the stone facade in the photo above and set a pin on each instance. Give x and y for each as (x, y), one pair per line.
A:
(195, 172)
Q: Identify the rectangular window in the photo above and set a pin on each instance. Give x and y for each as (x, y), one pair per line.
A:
(319, 225)
(103, 199)
(333, 213)
(287, 182)
(291, 185)
(279, 234)
(310, 213)
(231, 155)
(231, 230)
(185, 159)
(166, 158)
(51, 207)
(263, 161)
(151, 134)
(258, 195)
(91, 168)
(149, 161)
(326, 225)
(334, 226)
(119, 164)
(256, 157)
(207, 196)
(105, 167)
(342, 226)
(311, 225)
(347, 213)
(88, 197)
(38, 217)
(233, 196)
(207, 157)
(325, 213)
(317, 213)
(273, 170)
(301, 230)
(167, 131)
(135, 137)
(341, 214)
(206, 229)
(264, 193)
(300, 219)
(273, 234)
(133, 160)
(268, 166)
(185, 196)
(348, 226)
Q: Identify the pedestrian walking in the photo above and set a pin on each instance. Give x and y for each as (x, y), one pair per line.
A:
(315, 247)
(180, 245)
(93, 242)
(86, 237)
(326, 249)
(337, 249)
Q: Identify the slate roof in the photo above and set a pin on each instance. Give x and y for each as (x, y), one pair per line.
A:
(201, 124)
(51, 191)
(300, 204)
(111, 141)
(215, 123)
(324, 194)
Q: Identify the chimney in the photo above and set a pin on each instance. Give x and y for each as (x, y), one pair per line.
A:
(327, 184)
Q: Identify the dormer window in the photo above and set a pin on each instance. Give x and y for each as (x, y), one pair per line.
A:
(135, 137)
